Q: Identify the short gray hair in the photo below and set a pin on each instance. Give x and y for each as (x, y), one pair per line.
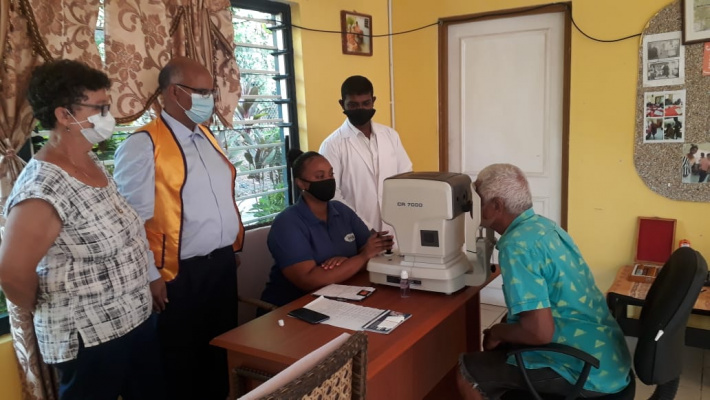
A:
(508, 183)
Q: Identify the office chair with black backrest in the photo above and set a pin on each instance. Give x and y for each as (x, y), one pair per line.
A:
(664, 316)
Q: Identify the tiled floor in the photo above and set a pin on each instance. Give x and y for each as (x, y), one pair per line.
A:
(694, 383)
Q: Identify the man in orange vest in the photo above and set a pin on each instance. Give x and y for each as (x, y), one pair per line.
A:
(174, 173)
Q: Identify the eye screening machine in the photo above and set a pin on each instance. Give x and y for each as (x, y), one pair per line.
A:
(428, 211)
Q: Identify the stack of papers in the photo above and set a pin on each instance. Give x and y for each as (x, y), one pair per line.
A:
(354, 317)
(345, 292)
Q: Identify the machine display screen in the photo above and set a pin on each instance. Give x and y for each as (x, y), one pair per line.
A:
(429, 238)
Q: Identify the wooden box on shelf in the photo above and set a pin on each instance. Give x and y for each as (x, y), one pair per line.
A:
(654, 245)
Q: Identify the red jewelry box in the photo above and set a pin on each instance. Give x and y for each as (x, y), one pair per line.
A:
(654, 246)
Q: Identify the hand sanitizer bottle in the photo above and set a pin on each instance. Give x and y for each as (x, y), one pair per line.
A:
(404, 283)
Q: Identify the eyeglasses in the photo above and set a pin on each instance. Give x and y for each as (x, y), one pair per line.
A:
(204, 93)
(103, 108)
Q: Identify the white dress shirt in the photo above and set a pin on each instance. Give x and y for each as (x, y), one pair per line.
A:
(210, 220)
(361, 165)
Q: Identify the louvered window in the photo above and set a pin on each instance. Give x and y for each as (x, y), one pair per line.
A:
(265, 122)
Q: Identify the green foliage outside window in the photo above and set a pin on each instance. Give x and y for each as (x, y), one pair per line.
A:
(256, 143)
(3, 304)
(270, 204)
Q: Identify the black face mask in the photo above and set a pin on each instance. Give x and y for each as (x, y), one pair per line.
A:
(360, 116)
(322, 190)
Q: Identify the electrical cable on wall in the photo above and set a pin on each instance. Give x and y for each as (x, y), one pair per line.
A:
(486, 16)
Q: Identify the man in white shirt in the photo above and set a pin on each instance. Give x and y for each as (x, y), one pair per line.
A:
(363, 153)
(175, 175)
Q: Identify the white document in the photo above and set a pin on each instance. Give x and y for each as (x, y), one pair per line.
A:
(344, 292)
(344, 315)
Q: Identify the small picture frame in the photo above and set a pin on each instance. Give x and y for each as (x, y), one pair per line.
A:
(664, 117)
(695, 163)
(356, 31)
(696, 21)
(663, 60)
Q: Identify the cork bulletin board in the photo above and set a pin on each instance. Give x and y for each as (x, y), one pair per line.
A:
(672, 109)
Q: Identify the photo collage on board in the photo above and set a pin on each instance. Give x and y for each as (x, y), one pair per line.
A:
(664, 117)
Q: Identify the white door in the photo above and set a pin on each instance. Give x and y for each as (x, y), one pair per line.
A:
(505, 102)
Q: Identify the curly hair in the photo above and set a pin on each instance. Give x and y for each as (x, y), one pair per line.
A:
(61, 83)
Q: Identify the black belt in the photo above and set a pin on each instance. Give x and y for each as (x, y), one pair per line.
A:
(211, 255)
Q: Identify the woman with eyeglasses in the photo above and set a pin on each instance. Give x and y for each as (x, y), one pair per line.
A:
(317, 241)
(74, 252)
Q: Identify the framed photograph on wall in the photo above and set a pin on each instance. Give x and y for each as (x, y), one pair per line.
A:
(695, 163)
(356, 33)
(664, 117)
(663, 60)
(696, 21)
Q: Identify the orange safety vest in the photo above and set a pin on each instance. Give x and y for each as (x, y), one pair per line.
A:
(164, 230)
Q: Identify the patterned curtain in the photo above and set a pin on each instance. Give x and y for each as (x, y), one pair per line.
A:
(143, 35)
(137, 47)
(15, 114)
(39, 380)
(15, 127)
(38, 30)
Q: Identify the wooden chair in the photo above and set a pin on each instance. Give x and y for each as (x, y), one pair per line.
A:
(342, 374)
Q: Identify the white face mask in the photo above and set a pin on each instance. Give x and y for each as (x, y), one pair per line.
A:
(102, 130)
(202, 107)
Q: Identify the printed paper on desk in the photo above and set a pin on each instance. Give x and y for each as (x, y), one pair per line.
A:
(386, 323)
(344, 315)
(345, 292)
(355, 317)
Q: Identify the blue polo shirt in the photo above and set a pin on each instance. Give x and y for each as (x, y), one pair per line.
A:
(297, 235)
(543, 268)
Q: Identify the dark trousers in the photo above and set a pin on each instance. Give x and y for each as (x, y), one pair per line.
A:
(128, 366)
(202, 304)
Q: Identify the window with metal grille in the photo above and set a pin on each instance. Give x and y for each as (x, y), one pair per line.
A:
(265, 123)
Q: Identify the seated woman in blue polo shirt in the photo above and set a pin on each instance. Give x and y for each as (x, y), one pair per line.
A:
(316, 241)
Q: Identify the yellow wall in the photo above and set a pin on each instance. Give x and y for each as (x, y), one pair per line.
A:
(321, 66)
(606, 194)
(9, 378)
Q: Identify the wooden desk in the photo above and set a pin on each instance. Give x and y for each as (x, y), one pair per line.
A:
(405, 364)
(624, 293)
